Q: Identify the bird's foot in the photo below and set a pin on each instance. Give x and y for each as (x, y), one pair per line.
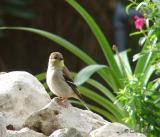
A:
(62, 102)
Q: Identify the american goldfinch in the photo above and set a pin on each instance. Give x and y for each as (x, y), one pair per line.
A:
(59, 80)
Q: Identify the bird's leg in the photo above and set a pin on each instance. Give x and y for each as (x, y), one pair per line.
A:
(61, 101)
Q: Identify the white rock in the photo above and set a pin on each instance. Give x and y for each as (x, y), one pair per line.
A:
(53, 117)
(2, 73)
(66, 132)
(129, 135)
(3, 131)
(20, 95)
(114, 130)
(25, 132)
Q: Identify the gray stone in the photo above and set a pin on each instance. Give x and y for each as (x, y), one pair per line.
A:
(54, 116)
(66, 132)
(25, 132)
(2, 73)
(3, 131)
(20, 95)
(130, 135)
(114, 130)
(25, 103)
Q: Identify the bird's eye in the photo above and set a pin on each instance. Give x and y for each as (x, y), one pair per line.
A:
(55, 57)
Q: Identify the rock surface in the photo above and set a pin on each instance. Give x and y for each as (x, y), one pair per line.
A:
(3, 131)
(66, 132)
(24, 132)
(25, 103)
(20, 95)
(114, 130)
(54, 116)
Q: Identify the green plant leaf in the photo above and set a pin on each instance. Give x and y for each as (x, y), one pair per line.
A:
(113, 81)
(143, 63)
(103, 89)
(105, 46)
(117, 112)
(137, 56)
(148, 74)
(108, 93)
(137, 33)
(61, 41)
(124, 57)
(156, 85)
(140, 4)
(128, 7)
(98, 110)
(86, 73)
(142, 40)
(115, 84)
(41, 76)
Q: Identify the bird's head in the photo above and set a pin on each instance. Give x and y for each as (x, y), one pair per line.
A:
(56, 60)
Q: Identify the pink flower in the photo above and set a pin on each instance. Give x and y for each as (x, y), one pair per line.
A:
(139, 22)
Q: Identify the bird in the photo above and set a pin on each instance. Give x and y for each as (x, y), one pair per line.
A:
(59, 80)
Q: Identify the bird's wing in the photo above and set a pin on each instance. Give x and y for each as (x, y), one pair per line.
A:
(69, 81)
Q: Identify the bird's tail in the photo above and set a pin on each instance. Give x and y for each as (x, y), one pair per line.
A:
(80, 98)
(84, 104)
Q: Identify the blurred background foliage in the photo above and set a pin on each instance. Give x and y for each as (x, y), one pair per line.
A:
(15, 9)
(17, 49)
